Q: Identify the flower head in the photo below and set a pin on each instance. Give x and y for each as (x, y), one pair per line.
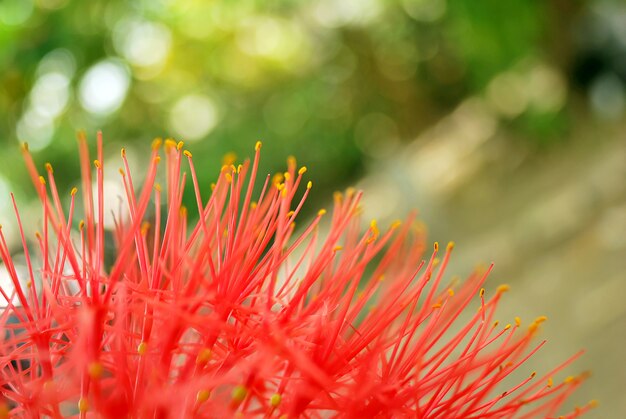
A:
(239, 313)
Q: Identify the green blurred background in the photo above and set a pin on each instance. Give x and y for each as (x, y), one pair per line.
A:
(503, 121)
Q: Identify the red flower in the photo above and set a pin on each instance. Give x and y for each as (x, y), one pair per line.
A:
(235, 315)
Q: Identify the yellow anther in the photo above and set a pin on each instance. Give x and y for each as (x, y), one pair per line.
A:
(73, 191)
(229, 158)
(239, 168)
(280, 186)
(290, 213)
(81, 225)
(253, 205)
(169, 144)
(396, 224)
(228, 177)
(495, 324)
(518, 321)
(287, 176)
(187, 153)
(302, 170)
(179, 145)
(381, 278)
(145, 226)
(532, 375)
(503, 288)
(277, 178)
(593, 403)
(157, 187)
(291, 161)
(275, 400)
(239, 394)
(436, 246)
(183, 211)
(482, 292)
(95, 369)
(203, 356)
(258, 146)
(374, 228)
(83, 405)
(550, 382)
(569, 379)
(156, 143)
(157, 159)
(142, 348)
(337, 248)
(97, 164)
(212, 186)
(436, 306)
(122, 172)
(321, 212)
(38, 235)
(42, 180)
(25, 146)
(203, 396)
(309, 185)
(123, 152)
(540, 319)
(436, 262)
(450, 292)
(49, 168)
(508, 326)
(450, 246)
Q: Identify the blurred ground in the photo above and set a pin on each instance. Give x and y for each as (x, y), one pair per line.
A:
(554, 224)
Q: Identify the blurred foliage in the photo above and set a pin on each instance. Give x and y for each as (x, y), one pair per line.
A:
(332, 82)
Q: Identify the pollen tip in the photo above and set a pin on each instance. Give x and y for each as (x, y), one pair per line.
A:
(503, 288)
(321, 212)
(81, 224)
(258, 146)
(95, 370)
(169, 144)
(518, 321)
(49, 168)
(187, 153)
(203, 356)
(203, 395)
(123, 152)
(25, 147)
(593, 403)
(156, 143)
(157, 187)
(396, 224)
(239, 394)
(302, 170)
(122, 172)
(309, 185)
(97, 164)
(450, 246)
(142, 348)
(436, 246)
(482, 292)
(275, 400)
(450, 292)
(337, 248)
(179, 145)
(42, 180)
(74, 191)
(83, 405)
